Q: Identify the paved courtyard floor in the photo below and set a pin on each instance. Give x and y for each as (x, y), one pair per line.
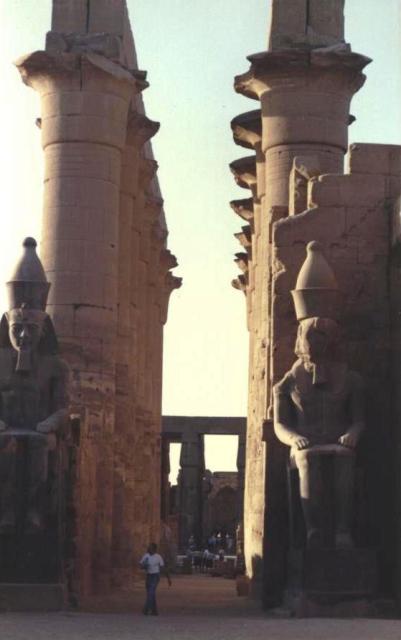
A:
(194, 608)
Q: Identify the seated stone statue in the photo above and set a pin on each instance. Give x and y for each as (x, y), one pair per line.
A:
(318, 409)
(33, 395)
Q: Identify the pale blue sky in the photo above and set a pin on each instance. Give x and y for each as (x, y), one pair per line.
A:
(191, 50)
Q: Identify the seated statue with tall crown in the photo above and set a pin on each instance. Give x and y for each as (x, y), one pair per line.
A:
(33, 397)
(318, 409)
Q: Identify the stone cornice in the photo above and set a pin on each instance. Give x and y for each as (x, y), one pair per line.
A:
(247, 128)
(270, 67)
(243, 208)
(140, 129)
(244, 170)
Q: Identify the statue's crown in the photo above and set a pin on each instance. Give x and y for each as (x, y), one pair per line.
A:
(316, 292)
(28, 286)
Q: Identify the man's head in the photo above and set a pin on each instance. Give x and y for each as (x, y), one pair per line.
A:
(152, 548)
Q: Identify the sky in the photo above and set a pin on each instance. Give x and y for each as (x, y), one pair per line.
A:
(191, 49)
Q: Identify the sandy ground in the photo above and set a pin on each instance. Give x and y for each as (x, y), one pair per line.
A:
(194, 608)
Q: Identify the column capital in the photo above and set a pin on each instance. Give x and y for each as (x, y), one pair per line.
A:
(243, 208)
(169, 283)
(247, 129)
(43, 71)
(140, 129)
(244, 170)
(240, 284)
(242, 261)
(147, 171)
(153, 208)
(270, 69)
(244, 237)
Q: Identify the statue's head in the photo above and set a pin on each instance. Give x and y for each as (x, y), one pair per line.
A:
(318, 304)
(26, 327)
(318, 341)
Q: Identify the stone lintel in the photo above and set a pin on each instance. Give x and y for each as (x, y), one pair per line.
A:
(243, 208)
(244, 170)
(140, 129)
(269, 68)
(176, 428)
(247, 128)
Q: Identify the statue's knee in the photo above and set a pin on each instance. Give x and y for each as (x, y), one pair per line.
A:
(303, 458)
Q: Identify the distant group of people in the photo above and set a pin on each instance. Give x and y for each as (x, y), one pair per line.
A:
(216, 547)
(220, 541)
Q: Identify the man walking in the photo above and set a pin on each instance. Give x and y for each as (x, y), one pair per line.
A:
(152, 563)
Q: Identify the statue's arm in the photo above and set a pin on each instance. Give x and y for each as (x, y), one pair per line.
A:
(357, 413)
(57, 420)
(284, 419)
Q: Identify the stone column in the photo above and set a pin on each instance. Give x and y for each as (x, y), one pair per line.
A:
(241, 477)
(126, 457)
(165, 483)
(307, 116)
(84, 107)
(304, 83)
(192, 468)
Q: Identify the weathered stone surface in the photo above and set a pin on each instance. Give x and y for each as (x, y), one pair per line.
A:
(305, 196)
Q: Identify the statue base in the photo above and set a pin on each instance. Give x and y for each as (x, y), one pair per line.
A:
(332, 583)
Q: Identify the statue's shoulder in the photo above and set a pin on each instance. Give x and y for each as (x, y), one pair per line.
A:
(6, 358)
(56, 365)
(287, 383)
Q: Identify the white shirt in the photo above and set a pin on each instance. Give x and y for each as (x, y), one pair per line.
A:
(152, 562)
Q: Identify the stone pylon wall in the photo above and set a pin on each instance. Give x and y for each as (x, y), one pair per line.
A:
(104, 251)
(304, 83)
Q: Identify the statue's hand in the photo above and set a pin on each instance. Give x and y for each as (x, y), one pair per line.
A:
(3, 425)
(349, 440)
(300, 442)
(46, 426)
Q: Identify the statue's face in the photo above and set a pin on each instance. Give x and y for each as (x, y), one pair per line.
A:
(25, 329)
(315, 344)
(316, 337)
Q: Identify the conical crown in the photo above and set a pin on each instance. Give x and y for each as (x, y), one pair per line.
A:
(316, 291)
(28, 284)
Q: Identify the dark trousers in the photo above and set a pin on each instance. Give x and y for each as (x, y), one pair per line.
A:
(152, 580)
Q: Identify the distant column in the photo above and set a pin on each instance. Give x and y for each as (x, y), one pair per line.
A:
(192, 467)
